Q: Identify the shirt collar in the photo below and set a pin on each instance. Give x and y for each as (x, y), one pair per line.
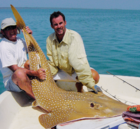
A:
(7, 40)
(65, 38)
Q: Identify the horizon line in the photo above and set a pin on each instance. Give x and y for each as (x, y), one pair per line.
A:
(71, 8)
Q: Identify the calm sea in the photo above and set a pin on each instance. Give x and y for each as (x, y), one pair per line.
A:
(111, 37)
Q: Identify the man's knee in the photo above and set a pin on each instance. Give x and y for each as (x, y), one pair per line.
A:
(19, 75)
(95, 75)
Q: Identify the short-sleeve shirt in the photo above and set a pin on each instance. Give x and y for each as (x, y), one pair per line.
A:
(11, 53)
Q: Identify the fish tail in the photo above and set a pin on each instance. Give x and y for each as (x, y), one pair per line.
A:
(20, 23)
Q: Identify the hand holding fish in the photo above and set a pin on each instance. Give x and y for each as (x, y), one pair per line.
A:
(97, 89)
(41, 74)
(28, 30)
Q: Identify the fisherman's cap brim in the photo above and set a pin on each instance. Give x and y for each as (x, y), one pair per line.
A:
(7, 22)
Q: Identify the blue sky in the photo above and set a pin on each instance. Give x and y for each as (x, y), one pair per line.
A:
(94, 4)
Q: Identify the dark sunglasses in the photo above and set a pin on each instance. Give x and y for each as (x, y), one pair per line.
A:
(10, 28)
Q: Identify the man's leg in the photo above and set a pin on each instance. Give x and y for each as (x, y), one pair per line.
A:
(95, 76)
(61, 75)
(79, 86)
(20, 78)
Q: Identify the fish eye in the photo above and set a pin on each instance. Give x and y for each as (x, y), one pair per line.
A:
(91, 105)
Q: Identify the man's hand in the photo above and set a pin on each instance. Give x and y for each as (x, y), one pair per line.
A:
(97, 89)
(27, 65)
(28, 30)
(41, 74)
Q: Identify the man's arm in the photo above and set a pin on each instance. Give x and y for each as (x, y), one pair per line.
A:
(78, 60)
(40, 73)
(52, 65)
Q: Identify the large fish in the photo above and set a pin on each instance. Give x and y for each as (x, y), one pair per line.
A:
(60, 106)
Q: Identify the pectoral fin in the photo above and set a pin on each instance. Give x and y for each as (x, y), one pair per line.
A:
(34, 104)
(50, 120)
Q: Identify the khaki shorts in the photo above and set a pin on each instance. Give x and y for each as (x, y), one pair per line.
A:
(67, 82)
(11, 86)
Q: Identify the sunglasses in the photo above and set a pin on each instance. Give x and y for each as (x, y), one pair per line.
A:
(10, 28)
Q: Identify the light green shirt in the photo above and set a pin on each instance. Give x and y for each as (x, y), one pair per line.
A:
(69, 55)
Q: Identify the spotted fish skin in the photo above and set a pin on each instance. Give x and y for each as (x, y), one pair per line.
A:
(60, 106)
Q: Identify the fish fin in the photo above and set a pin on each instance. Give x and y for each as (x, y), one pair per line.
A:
(48, 120)
(20, 22)
(37, 107)
(54, 118)
(34, 104)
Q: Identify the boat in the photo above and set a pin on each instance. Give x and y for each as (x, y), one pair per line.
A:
(16, 111)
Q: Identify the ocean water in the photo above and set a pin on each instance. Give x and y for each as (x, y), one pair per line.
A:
(111, 37)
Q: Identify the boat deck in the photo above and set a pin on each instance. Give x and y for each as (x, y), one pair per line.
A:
(16, 111)
(27, 118)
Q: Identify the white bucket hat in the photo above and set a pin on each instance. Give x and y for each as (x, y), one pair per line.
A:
(8, 22)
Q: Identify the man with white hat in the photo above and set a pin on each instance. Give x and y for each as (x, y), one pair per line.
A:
(13, 57)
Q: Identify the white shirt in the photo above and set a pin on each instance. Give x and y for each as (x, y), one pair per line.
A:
(11, 53)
